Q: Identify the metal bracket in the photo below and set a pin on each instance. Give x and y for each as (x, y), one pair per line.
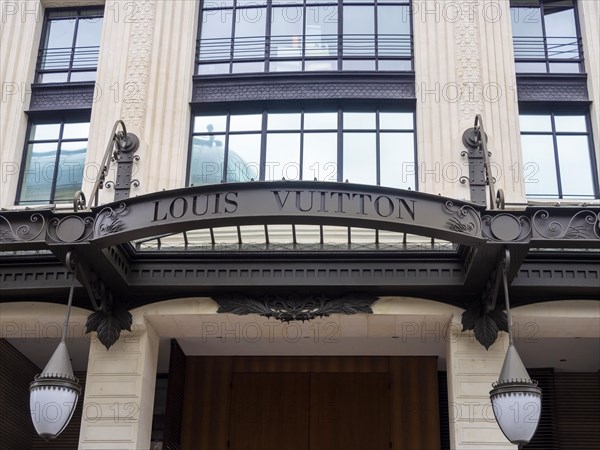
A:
(121, 147)
(480, 173)
(110, 317)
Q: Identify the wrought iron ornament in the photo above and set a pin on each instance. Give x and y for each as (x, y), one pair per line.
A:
(295, 307)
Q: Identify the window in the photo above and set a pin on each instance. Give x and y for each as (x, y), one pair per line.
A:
(546, 36)
(557, 155)
(374, 147)
(53, 163)
(244, 36)
(70, 45)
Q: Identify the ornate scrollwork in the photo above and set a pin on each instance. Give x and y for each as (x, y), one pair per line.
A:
(108, 220)
(583, 224)
(506, 227)
(70, 229)
(24, 232)
(295, 307)
(465, 219)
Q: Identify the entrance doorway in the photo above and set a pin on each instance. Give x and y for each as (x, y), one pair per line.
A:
(311, 403)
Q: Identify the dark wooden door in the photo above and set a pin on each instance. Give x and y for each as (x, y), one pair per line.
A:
(269, 411)
(310, 403)
(349, 411)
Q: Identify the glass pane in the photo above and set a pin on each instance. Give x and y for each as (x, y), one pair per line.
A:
(203, 124)
(248, 67)
(393, 23)
(395, 121)
(44, 132)
(560, 22)
(565, 68)
(320, 65)
(70, 170)
(83, 76)
(285, 66)
(320, 121)
(360, 158)
(359, 31)
(206, 165)
(36, 185)
(284, 121)
(575, 165)
(526, 22)
(397, 154)
(250, 33)
(358, 64)
(245, 122)
(283, 156)
(60, 77)
(89, 32)
(321, 31)
(320, 157)
(60, 34)
(359, 121)
(521, 67)
(243, 158)
(213, 69)
(215, 35)
(539, 170)
(76, 130)
(570, 124)
(535, 122)
(286, 32)
(400, 65)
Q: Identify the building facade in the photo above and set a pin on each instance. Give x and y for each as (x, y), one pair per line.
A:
(297, 240)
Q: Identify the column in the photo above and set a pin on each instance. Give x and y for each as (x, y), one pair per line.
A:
(119, 394)
(471, 371)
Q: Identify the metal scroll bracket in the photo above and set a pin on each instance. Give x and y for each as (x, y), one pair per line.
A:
(110, 316)
(121, 148)
(480, 171)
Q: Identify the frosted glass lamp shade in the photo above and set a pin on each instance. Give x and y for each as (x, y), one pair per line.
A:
(517, 407)
(51, 407)
(53, 395)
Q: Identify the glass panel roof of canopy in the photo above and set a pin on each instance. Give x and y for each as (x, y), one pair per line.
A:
(290, 237)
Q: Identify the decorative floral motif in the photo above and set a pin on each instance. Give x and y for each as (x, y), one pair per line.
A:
(24, 232)
(295, 307)
(506, 227)
(108, 221)
(582, 225)
(466, 219)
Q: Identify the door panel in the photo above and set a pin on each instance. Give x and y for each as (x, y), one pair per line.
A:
(269, 411)
(349, 411)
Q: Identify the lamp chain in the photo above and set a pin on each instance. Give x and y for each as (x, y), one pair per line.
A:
(507, 306)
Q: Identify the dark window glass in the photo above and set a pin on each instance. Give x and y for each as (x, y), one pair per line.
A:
(54, 162)
(368, 147)
(70, 46)
(304, 35)
(546, 36)
(557, 156)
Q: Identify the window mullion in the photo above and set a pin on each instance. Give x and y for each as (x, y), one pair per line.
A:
(556, 160)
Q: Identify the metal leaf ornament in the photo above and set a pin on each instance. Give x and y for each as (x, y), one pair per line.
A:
(109, 324)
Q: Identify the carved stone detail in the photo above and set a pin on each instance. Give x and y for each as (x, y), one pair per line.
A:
(139, 63)
(295, 307)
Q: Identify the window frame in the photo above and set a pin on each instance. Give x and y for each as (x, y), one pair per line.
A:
(563, 111)
(78, 14)
(339, 109)
(43, 120)
(339, 58)
(547, 60)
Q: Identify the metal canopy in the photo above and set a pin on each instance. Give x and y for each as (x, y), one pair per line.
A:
(118, 274)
